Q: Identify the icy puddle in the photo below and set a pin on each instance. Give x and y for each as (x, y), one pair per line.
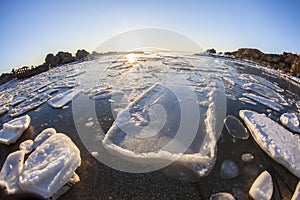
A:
(280, 144)
(149, 131)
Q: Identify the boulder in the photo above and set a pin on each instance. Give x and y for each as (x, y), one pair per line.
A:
(81, 54)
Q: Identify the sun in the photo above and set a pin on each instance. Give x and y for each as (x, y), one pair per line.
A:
(132, 57)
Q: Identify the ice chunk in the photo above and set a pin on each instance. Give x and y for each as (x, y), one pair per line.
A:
(26, 146)
(13, 129)
(50, 166)
(64, 98)
(273, 139)
(266, 92)
(262, 188)
(235, 128)
(11, 170)
(222, 196)
(269, 103)
(246, 100)
(266, 83)
(291, 121)
(296, 195)
(229, 169)
(4, 109)
(142, 130)
(17, 100)
(43, 136)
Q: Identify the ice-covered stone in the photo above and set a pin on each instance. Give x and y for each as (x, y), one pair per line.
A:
(247, 157)
(273, 139)
(235, 128)
(64, 98)
(26, 146)
(229, 169)
(291, 121)
(13, 129)
(50, 166)
(11, 170)
(43, 136)
(262, 188)
(222, 196)
(296, 195)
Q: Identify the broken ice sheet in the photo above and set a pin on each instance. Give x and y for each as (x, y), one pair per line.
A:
(50, 166)
(13, 129)
(262, 188)
(264, 101)
(12, 168)
(63, 98)
(142, 131)
(279, 143)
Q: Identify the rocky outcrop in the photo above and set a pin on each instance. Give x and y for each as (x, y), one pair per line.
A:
(81, 54)
(287, 62)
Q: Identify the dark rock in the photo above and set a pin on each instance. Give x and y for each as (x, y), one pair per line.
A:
(271, 58)
(81, 54)
(211, 51)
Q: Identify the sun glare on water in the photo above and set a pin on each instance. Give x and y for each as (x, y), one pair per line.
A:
(132, 57)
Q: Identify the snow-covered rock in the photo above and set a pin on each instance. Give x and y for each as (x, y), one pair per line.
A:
(50, 166)
(13, 129)
(11, 170)
(279, 143)
(291, 121)
(26, 146)
(262, 188)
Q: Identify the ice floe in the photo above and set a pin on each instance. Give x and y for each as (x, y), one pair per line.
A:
(264, 101)
(143, 128)
(291, 121)
(13, 129)
(265, 82)
(63, 98)
(235, 128)
(50, 166)
(262, 188)
(26, 146)
(246, 100)
(273, 139)
(11, 170)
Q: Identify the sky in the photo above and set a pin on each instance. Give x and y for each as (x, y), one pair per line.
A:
(33, 28)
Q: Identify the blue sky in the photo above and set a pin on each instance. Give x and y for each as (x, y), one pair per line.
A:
(30, 29)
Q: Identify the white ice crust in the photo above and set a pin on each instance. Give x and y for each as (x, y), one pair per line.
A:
(279, 143)
(43, 136)
(11, 170)
(13, 129)
(262, 188)
(50, 166)
(26, 146)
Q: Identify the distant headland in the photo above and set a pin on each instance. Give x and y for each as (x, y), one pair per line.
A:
(286, 62)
